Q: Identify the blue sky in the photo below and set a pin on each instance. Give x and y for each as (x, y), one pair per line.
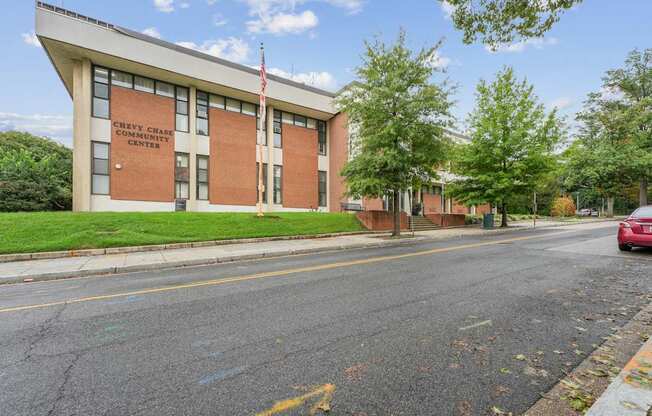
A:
(320, 42)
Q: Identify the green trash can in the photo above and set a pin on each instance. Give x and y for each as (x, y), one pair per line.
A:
(488, 221)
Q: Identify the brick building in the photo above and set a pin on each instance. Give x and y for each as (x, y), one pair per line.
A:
(159, 127)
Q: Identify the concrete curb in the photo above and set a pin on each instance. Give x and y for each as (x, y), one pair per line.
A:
(5, 258)
(207, 261)
(629, 394)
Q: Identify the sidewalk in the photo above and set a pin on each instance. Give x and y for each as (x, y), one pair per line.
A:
(68, 267)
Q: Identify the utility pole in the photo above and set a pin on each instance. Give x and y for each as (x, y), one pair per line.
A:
(535, 209)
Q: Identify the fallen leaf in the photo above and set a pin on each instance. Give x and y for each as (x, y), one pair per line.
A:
(505, 370)
(464, 408)
(520, 357)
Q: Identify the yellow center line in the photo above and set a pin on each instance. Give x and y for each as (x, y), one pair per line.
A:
(328, 266)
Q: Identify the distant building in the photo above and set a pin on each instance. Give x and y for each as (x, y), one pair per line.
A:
(160, 127)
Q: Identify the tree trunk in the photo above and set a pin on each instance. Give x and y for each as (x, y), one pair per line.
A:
(610, 206)
(397, 214)
(642, 192)
(503, 221)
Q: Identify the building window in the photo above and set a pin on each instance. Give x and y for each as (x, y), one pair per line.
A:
(181, 176)
(278, 130)
(300, 121)
(312, 123)
(217, 101)
(287, 118)
(322, 188)
(202, 177)
(261, 138)
(248, 109)
(321, 135)
(164, 89)
(100, 168)
(233, 105)
(182, 109)
(122, 79)
(101, 92)
(278, 187)
(264, 182)
(202, 113)
(143, 84)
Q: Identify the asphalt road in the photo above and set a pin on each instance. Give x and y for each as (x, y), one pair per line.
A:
(426, 329)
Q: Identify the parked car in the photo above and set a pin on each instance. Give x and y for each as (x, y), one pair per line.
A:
(636, 231)
(588, 212)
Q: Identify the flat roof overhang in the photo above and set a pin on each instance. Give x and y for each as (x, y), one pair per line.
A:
(67, 39)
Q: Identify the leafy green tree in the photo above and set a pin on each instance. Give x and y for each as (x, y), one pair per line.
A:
(632, 106)
(35, 173)
(398, 117)
(502, 21)
(512, 144)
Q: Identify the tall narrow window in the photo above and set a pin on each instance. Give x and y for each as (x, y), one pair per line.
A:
(181, 176)
(322, 188)
(182, 109)
(143, 84)
(261, 138)
(278, 186)
(278, 130)
(300, 121)
(202, 113)
(100, 168)
(202, 177)
(321, 135)
(264, 182)
(100, 92)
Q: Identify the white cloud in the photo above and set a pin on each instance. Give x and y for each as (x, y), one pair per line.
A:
(211, 2)
(352, 6)
(284, 23)
(561, 103)
(219, 20)
(610, 93)
(184, 5)
(232, 48)
(439, 61)
(521, 46)
(448, 9)
(31, 39)
(153, 32)
(165, 6)
(323, 80)
(57, 127)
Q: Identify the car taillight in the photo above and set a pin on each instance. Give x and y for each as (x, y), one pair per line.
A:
(625, 225)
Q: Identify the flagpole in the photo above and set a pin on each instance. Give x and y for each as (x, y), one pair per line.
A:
(261, 121)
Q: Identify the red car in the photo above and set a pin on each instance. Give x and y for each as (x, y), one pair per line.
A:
(636, 231)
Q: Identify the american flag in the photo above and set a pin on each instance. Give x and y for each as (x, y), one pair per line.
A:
(263, 87)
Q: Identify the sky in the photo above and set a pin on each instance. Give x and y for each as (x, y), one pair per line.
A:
(320, 42)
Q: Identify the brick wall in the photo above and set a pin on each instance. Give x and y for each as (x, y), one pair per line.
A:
(147, 164)
(232, 158)
(458, 208)
(300, 180)
(483, 209)
(381, 220)
(432, 204)
(372, 204)
(447, 220)
(338, 155)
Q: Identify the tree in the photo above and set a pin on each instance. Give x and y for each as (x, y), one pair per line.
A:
(511, 148)
(398, 117)
(502, 21)
(35, 173)
(632, 88)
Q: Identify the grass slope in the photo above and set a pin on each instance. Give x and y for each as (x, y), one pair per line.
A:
(53, 231)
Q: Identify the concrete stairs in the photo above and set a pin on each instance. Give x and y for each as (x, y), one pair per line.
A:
(419, 223)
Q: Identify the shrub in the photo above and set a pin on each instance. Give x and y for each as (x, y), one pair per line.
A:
(563, 207)
(35, 173)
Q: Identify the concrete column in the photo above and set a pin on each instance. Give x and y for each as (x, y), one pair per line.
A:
(191, 204)
(270, 158)
(81, 172)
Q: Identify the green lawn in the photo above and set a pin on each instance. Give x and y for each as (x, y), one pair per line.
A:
(53, 231)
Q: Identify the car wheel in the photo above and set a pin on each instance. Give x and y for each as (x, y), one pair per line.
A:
(625, 247)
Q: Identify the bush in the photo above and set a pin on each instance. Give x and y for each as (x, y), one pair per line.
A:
(472, 219)
(563, 207)
(35, 173)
